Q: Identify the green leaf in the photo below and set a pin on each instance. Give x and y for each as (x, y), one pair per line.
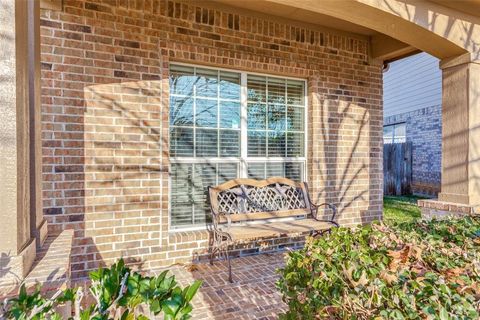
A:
(444, 314)
(23, 292)
(55, 316)
(85, 314)
(192, 290)
(155, 307)
(95, 275)
(127, 315)
(170, 307)
(120, 264)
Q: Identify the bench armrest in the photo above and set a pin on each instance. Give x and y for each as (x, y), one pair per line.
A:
(216, 215)
(215, 219)
(331, 206)
(219, 234)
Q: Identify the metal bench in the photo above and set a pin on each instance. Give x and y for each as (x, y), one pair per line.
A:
(247, 209)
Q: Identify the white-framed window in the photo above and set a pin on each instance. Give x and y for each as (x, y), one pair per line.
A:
(226, 124)
(394, 133)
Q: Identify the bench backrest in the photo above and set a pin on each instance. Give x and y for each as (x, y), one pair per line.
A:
(249, 199)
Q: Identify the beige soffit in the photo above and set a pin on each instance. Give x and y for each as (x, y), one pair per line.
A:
(471, 7)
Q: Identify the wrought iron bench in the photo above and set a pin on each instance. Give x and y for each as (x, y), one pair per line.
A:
(247, 209)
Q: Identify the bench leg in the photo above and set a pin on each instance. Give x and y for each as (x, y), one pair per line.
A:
(229, 264)
(220, 246)
(212, 254)
(229, 267)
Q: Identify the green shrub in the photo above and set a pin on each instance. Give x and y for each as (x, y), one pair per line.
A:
(418, 270)
(118, 292)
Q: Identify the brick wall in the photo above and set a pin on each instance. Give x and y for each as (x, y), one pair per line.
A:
(424, 130)
(105, 117)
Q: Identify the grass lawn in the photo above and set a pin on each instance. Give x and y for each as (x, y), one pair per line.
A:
(400, 208)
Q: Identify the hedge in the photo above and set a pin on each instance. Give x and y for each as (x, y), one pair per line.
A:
(417, 270)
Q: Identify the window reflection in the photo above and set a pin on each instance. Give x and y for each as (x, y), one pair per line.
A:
(395, 133)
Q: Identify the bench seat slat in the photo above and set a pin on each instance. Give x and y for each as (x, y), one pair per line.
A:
(276, 229)
(238, 217)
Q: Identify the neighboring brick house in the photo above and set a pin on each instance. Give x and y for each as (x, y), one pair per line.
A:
(413, 112)
(126, 159)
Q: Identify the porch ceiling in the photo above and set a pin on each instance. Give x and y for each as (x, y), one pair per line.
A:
(299, 14)
(383, 47)
(471, 7)
(442, 28)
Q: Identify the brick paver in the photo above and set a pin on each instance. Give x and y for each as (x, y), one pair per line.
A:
(252, 296)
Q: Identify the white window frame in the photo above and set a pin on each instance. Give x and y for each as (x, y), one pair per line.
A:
(243, 159)
(394, 137)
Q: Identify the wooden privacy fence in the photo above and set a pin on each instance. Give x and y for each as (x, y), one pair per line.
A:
(397, 168)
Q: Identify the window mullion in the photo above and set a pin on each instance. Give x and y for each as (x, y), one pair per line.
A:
(305, 131)
(285, 121)
(194, 167)
(218, 114)
(267, 122)
(194, 124)
(243, 125)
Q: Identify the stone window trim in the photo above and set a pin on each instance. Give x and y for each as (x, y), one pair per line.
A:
(183, 236)
(55, 5)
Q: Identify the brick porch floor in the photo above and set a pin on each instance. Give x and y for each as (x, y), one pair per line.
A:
(252, 296)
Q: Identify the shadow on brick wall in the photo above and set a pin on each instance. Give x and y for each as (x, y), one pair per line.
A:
(103, 174)
(352, 148)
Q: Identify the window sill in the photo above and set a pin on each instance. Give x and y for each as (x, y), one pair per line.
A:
(181, 236)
